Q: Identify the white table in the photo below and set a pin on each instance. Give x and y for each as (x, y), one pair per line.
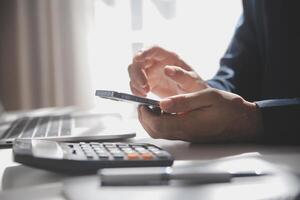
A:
(15, 176)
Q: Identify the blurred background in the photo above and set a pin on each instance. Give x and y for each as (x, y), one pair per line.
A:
(57, 52)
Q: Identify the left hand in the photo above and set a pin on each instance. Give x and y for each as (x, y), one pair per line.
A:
(209, 115)
(163, 73)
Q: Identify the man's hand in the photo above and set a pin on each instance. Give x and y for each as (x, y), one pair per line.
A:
(163, 73)
(209, 115)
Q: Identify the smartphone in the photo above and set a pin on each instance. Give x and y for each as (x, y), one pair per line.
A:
(117, 96)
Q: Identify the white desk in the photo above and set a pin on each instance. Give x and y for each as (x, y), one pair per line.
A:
(15, 176)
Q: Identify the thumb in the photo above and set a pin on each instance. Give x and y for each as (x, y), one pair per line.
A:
(188, 102)
(185, 79)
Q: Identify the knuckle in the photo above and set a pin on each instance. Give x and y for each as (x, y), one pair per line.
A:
(129, 68)
(193, 75)
(237, 100)
(186, 103)
(175, 104)
(133, 90)
(138, 56)
(174, 55)
(156, 47)
(179, 103)
(132, 85)
(214, 93)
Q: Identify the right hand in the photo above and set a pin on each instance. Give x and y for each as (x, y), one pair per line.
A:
(163, 73)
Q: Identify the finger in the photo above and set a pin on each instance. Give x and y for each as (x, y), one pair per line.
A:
(160, 126)
(161, 55)
(137, 75)
(190, 101)
(137, 91)
(184, 78)
(156, 53)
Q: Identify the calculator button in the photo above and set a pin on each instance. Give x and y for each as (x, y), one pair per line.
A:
(118, 157)
(147, 156)
(138, 145)
(98, 147)
(94, 143)
(103, 153)
(153, 149)
(156, 151)
(162, 154)
(103, 157)
(89, 156)
(87, 150)
(133, 156)
(129, 151)
(141, 150)
(114, 150)
(100, 151)
(117, 154)
(109, 145)
(126, 148)
(122, 145)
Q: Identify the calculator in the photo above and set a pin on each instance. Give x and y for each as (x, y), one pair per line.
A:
(88, 157)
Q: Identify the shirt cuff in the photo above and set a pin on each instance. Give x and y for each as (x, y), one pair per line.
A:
(281, 121)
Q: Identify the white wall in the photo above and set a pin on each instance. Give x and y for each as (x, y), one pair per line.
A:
(198, 30)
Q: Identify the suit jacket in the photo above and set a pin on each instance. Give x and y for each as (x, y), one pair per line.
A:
(262, 64)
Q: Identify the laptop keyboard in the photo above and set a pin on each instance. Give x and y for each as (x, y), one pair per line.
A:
(35, 127)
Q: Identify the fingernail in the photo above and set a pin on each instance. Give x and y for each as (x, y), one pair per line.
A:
(166, 104)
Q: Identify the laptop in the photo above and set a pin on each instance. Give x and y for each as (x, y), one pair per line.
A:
(61, 124)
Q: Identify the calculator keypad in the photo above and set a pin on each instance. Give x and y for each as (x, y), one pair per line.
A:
(116, 151)
(88, 157)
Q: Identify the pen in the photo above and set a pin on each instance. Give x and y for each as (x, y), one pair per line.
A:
(156, 175)
(151, 175)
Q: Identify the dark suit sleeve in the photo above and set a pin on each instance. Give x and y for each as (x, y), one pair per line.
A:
(281, 121)
(240, 67)
(240, 73)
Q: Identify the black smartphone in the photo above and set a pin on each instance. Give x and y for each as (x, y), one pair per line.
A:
(118, 96)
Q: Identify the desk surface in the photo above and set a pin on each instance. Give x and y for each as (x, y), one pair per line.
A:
(15, 176)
